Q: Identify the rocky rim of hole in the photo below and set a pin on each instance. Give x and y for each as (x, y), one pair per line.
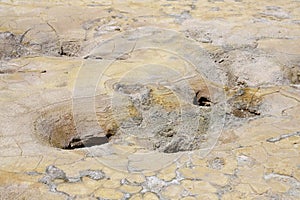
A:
(55, 125)
(151, 123)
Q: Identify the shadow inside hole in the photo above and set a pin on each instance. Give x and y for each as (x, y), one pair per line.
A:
(200, 100)
(77, 143)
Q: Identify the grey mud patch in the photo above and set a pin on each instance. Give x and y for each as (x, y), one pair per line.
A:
(12, 46)
(53, 174)
(293, 74)
(35, 42)
(157, 121)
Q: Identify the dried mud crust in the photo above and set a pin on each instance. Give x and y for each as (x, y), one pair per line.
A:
(154, 117)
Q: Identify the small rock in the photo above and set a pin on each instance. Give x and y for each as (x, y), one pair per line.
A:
(153, 184)
(46, 180)
(55, 173)
(73, 179)
(217, 163)
(93, 174)
(126, 196)
(245, 160)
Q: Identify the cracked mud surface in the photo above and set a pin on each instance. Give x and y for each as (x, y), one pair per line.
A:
(162, 127)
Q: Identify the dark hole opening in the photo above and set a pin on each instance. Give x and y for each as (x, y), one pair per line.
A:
(61, 52)
(77, 143)
(201, 100)
(108, 135)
